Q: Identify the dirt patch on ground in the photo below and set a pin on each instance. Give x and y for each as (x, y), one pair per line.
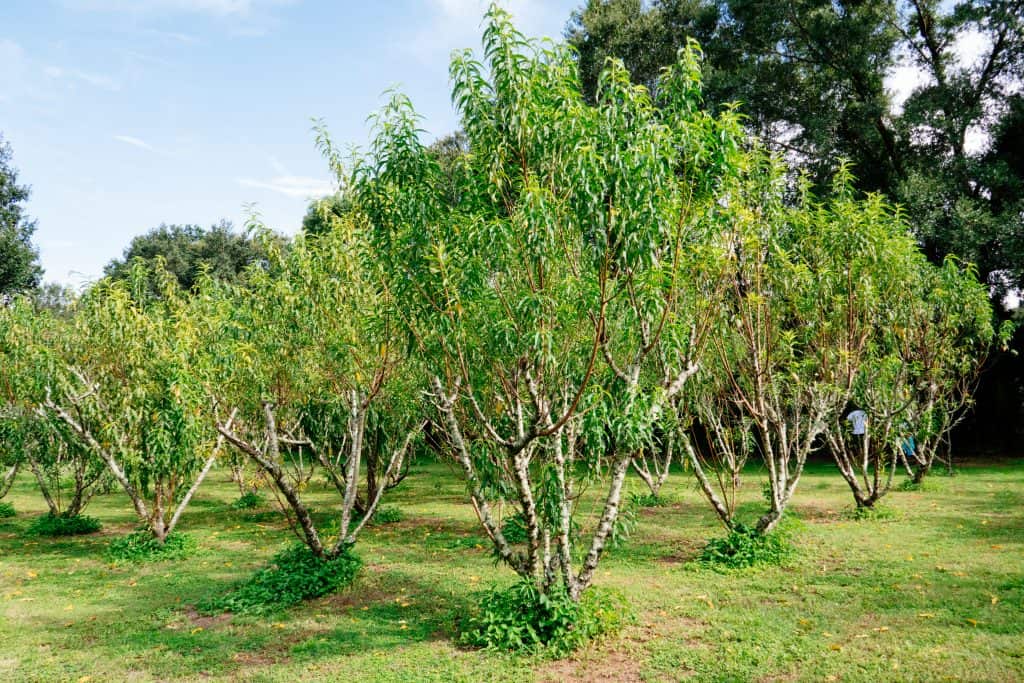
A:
(614, 667)
(816, 514)
(621, 663)
(204, 621)
(366, 596)
(258, 658)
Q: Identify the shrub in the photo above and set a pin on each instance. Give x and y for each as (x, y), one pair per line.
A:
(647, 500)
(62, 525)
(389, 514)
(926, 485)
(524, 620)
(6, 510)
(294, 575)
(745, 547)
(874, 513)
(140, 546)
(248, 501)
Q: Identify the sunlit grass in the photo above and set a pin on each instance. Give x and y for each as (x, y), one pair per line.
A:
(933, 592)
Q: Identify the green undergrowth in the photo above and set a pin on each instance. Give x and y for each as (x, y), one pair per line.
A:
(248, 501)
(388, 514)
(927, 485)
(524, 620)
(293, 576)
(140, 546)
(744, 547)
(875, 513)
(6, 510)
(61, 525)
(649, 500)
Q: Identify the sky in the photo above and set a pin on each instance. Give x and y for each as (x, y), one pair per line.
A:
(125, 114)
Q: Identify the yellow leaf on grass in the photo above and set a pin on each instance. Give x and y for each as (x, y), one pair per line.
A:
(84, 679)
(196, 630)
(926, 615)
(972, 622)
(835, 646)
(31, 575)
(995, 599)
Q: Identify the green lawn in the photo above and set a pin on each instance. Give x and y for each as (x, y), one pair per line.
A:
(934, 593)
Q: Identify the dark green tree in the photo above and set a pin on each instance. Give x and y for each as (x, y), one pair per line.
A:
(811, 77)
(188, 249)
(19, 259)
(323, 213)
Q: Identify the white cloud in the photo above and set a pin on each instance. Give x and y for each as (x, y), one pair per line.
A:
(456, 24)
(135, 142)
(217, 7)
(96, 80)
(297, 187)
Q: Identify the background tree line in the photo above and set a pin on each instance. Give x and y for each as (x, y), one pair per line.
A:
(810, 77)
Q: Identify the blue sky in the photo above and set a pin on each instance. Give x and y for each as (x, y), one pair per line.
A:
(124, 114)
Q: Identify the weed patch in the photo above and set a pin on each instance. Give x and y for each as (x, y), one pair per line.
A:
(745, 547)
(248, 501)
(294, 575)
(60, 525)
(140, 546)
(523, 620)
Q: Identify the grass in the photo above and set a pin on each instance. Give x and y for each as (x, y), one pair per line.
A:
(936, 592)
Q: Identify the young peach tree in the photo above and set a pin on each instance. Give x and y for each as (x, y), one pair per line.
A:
(308, 359)
(119, 380)
(557, 297)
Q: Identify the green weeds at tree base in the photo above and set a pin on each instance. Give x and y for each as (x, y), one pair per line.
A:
(746, 547)
(294, 575)
(871, 514)
(648, 500)
(523, 620)
(61, 525)
(247, 501)
(6, 510)
(388, 514)
(926, 485)
(140, 546)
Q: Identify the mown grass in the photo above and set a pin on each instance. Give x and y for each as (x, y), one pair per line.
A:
(934, 591)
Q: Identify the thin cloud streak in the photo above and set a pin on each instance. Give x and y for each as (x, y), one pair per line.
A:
(135, 142)
(297, 187)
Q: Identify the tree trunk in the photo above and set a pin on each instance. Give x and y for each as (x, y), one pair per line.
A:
(8, 480)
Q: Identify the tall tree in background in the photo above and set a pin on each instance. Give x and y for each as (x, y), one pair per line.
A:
(19, 260)
(811, 77)
(187, 250)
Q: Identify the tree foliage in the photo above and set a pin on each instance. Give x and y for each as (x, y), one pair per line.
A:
(812, 79)
(187, 251)
(19, 260)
